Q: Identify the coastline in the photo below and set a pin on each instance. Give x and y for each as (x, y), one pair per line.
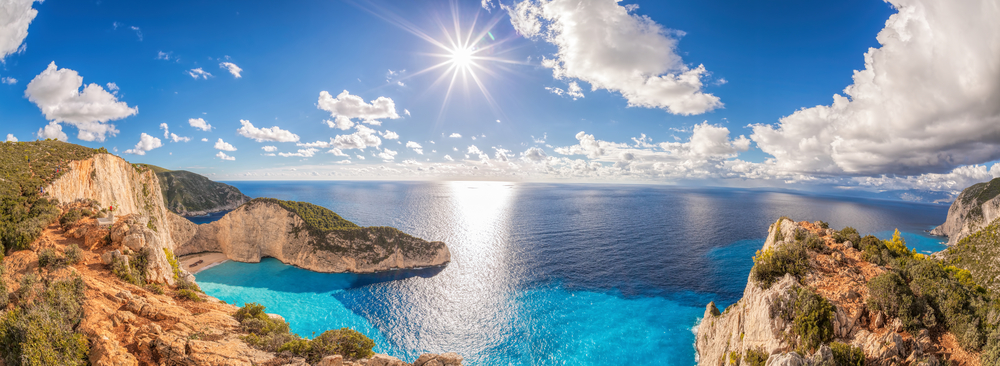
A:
(208, 260)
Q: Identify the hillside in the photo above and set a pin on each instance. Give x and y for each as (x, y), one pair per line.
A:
(818, 296)
(190, 194)
(973, 209)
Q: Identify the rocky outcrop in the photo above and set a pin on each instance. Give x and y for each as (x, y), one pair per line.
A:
(973, 209)
(760, 322)
(265, 229)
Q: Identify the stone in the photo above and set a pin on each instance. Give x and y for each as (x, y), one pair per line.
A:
(385, 360)
(335, 360)
(897, 325)
(822, 357)
(108, 256)
(786, 359)
(879, 320)
(848, 244)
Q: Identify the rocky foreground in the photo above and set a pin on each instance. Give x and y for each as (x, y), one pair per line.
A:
(135, 324)
(821, 297)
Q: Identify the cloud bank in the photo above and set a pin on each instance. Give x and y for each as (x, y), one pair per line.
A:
(57, 93)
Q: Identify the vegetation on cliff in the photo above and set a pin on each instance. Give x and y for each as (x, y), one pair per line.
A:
(185, 192)
(25, 168)
(976, 196)
(40, 328)
(274, 335)
(329, 231)
(980, 254)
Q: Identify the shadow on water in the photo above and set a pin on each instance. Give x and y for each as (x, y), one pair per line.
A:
(273, 275)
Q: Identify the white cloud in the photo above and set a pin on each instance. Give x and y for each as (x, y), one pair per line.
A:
(223, 156)
(387, 155)
(232, 68)
(146, 143)
(222, 145)
(406, 112)
(342, 123)
(57, 93)
(473, 150)
(362, 138)
(347, 106)
(175, 138)
(415, 146)
(336, 152)
(926, 102)
(199, 73)
(302, 153)
(359, 157)
(389, 135)
(8, 80)
(540, 140)
(448, 158)
(592, 35)
(15, 16)
(11, 138)
(534, 154)
(166, 130)
(269, 148)
(265, 134)
(162, 55)
(203, 139)
(455, 135)
(200, 124)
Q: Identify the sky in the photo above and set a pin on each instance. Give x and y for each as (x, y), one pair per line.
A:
(857, 95)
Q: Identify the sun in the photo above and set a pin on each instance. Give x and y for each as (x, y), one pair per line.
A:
(462, 57)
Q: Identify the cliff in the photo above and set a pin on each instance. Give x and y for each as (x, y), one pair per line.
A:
(818, 296)
(273, 228)
(189, 194)
(973, 209)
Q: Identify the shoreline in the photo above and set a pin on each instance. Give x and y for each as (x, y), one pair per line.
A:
(208, 260)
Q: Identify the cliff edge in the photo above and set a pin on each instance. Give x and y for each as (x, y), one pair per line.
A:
(973, 209)
(306, 236)
(190, 194)
(816, 296)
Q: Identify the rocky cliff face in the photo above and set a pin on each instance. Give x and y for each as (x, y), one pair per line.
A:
(133, 192)
(762, 324)
(265, 229)
(975, 208)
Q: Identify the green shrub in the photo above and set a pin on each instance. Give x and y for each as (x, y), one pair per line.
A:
(189, 295)
(813, 319)
(344, 341)
(70, 218)
(125, 271)
(734, 358)
(48, 257)
(73, 254)
(4, 293)
(814, 243)
(154, 288)
(824, 225)
(40, 331)
(183, 284)
(890, 294)
(847, 234)
(173, 263)
(773, 263)
(273, 335)
(755, 357)
(847, 355)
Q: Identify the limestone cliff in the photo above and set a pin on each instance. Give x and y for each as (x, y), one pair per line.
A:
(132, 191)
(816, 307)
(191, 194)
(975, 208)
(264, 228)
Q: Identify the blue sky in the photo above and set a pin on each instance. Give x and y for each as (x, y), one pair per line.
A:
(708, 92)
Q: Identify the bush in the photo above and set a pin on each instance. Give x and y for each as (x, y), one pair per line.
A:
(813, 320)
(189, 295)
(847, 234)
(755, 357)
(773, 263)
(173, 264)
(154, 288)
(125, 270)
(48, 257)
(70, 218)
(344, 341)
(847, 355)
(73, 254)
(183, 284)
(890, 294)
(814, 243)
(273, 335)
(41, 330)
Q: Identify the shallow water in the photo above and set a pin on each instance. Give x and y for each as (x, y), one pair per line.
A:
(545, 274)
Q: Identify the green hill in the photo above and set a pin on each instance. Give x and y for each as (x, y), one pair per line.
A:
(189, 194)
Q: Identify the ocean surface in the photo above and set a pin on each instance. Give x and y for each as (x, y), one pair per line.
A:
(545, 274)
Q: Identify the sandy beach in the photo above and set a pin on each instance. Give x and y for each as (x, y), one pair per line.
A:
(195, 263)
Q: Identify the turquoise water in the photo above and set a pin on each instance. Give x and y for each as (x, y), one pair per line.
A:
(544, 274)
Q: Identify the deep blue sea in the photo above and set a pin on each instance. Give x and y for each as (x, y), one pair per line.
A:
(545, 274)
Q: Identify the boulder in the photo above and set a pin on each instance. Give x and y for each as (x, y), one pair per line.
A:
(335, 360)
(786, 359)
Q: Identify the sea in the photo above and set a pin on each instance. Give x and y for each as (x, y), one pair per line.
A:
(546, 274)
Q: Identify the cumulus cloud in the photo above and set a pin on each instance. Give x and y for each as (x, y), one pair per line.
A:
(172, 136)
(8, 80)
(198, 73)
(146, 143)
(340, 122)
(265, 134)
(57, 93)
(302, 153)
(389, 135)
(448, 158)
(364, 137)
(387, 155)
(269, 148)
(15, 16)
(11, 138)
(336, 152)
(927, 101)
(200, 124)
(416, 147)
(52, 131)
(225, 146)
(590, 37)
(473, 150)
(534, 154)
(347, 106)
(455, 135)
(232, 68)
(223, 156)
